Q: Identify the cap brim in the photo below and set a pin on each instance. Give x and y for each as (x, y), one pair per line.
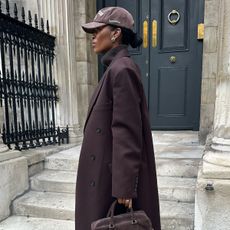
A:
(91, 26)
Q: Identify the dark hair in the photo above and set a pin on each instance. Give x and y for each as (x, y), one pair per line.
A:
(129, 37)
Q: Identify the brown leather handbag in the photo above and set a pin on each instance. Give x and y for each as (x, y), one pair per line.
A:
(133, 220)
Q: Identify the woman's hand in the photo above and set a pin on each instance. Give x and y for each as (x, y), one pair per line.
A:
(126, 202)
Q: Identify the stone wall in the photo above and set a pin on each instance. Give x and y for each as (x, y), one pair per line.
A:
(210, 63)
(14, 181)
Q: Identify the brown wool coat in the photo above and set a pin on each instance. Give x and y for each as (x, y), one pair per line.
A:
(117, 158)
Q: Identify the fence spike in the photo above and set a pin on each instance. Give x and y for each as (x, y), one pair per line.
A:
(7, 8)
(7, 74)
(30, 18)
(12, 127)
(47, 27)
(23, 76)
(19, 127)
(15, 11)
(15, 75)
(42, 24)
(36, 21)
(23, 15)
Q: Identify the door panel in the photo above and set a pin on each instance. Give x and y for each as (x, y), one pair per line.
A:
(175, 75)
(174, 93)
(174, 37)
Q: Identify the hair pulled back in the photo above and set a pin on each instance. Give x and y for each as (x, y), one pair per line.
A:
(129, 37)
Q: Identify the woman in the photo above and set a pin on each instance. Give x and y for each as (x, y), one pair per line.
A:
(117, 159)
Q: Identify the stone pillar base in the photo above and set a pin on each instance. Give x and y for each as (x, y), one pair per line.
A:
(212, 203)
(75, 135)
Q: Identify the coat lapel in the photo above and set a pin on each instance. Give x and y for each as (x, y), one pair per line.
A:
(94, 99)
(116, 53)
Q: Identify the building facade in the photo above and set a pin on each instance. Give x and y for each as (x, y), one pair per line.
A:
(76, 72)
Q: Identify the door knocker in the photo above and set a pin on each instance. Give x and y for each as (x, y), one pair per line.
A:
(171, 14)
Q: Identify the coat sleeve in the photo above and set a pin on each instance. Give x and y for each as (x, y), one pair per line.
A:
(127, 134)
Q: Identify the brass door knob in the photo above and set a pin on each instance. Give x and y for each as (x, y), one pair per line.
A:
(172, 59)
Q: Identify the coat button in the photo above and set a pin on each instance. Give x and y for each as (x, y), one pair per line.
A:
(92, 183)
(98, 130)
(92, 157)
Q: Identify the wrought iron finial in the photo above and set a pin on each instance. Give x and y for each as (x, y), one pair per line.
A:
(19, 127)
(42, 24)
(15, 76)
(15, 11)
(36, 21)
(47, 27)
(7, 8)
(30, 18)
(23, 15)
(23, 76)
(12, 128)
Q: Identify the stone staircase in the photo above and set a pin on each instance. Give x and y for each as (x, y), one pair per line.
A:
(177, 158)
(50, 202)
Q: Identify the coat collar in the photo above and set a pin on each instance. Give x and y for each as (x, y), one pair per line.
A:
(117, 52)
(107, 59)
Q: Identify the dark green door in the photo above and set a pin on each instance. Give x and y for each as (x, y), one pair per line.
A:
(170, 58)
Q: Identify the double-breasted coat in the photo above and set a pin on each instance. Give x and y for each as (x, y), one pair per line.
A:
(117, 158)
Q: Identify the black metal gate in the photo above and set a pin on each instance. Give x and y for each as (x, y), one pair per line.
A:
(28, 92)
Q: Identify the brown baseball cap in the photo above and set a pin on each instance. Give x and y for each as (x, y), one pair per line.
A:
(116, 16)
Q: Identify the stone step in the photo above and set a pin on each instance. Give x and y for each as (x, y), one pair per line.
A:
(54, 181)
(174, 167)
(45, 205)
(30, 223)
(179, 151)
(177, 189)
(176, 137)
(65, 160)
(176, 215)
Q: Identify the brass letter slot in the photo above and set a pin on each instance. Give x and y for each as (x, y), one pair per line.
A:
(154, 33)
(145, 34)
(200, 31)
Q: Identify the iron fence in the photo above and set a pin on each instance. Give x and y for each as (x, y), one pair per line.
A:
(28, 92)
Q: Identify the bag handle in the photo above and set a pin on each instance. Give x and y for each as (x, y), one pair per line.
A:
(111, 215)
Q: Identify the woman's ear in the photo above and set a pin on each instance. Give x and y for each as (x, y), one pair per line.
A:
(116, 35)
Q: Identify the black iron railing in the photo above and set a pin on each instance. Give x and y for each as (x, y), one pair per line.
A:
(28, 92)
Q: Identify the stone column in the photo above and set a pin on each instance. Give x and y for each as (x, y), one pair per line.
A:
(213, 186)
(60, 14)
(86, 60)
